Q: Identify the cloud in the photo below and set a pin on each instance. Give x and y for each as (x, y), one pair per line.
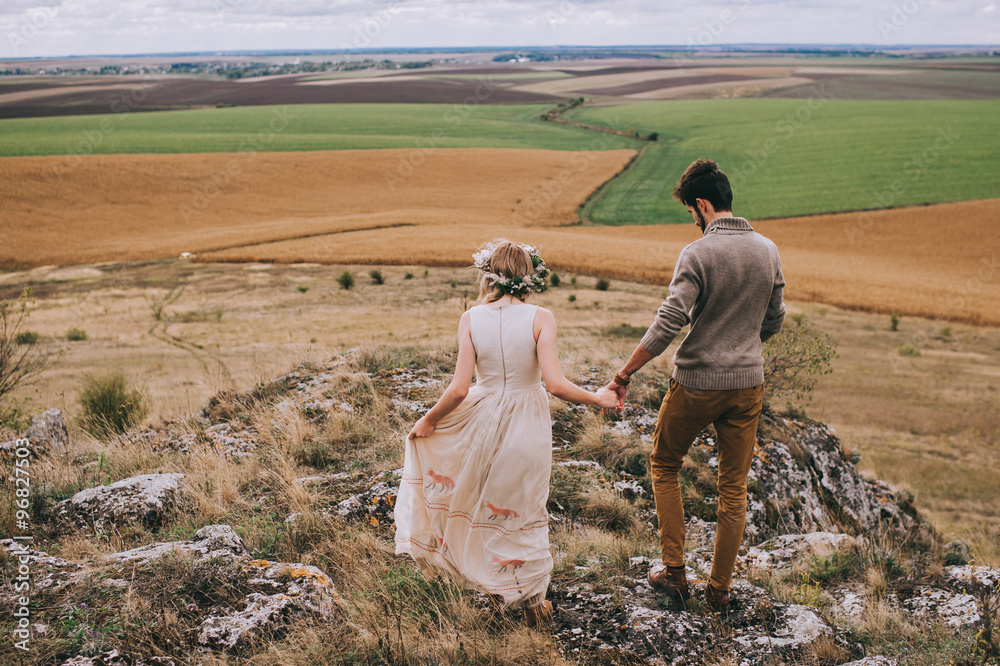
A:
(149, 26)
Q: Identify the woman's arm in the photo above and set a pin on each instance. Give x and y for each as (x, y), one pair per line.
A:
(459, 386)
(544, 329)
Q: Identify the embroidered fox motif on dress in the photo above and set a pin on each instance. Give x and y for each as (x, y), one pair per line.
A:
(440, 480)
(506, 513)
(508, 563)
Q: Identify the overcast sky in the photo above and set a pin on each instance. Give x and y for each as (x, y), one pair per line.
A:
(87, 27)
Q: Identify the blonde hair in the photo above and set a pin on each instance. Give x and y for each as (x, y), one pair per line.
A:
(508, 260)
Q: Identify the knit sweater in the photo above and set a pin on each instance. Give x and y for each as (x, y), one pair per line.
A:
(727, 285)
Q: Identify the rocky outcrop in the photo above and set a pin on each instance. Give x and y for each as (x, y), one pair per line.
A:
(799, 482)
(115, 658)
(47, 436)
(232, 440)
(290, 591)
(150, 499)
(47, 574)
(633, 623)
(809, 511)
(208, 542)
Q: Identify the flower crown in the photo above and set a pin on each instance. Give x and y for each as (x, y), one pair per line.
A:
(519, 285)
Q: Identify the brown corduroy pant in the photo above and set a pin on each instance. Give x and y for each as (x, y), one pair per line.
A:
(685, 412)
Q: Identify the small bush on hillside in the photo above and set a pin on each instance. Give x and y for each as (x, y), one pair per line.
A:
(111, 405)
(75, 334)
(908, 350)
(602, 285)
(894, 321)
(376, 276)
(571, 298)
(302, 288)
(18, 366)
(346, 280)
(794, 359)
(408, 276)
(554, 279)
(27, 337)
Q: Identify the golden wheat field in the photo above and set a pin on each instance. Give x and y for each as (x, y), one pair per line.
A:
(351, 207)
(132, 207)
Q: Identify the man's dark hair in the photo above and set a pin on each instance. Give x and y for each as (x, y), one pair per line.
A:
(705, 180)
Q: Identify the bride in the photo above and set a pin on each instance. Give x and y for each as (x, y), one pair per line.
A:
(475, 481)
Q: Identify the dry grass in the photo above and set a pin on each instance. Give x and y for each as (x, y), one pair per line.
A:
(926, 423)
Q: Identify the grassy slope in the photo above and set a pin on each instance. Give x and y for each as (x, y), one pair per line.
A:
(841, 157)
(308, 127)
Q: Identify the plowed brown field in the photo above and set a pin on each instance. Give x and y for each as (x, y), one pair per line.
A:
(340, 207)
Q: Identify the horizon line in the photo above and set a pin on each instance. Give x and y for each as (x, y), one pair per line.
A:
(484, 49)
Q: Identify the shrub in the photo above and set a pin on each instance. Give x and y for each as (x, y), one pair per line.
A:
(18, 366)
(110, 404)
(908, 350)
(625, 331)
(27, 337)
(894, 322)
(346, 280)
(554, 279)
(75, 334)
(602, 285)
(571, 298)
(408, 276)
(793, 361)
(572, 280)
(302, 288)
(376, 276)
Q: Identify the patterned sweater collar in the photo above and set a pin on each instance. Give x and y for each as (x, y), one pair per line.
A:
(728, 226)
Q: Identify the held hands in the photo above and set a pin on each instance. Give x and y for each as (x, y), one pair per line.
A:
(421, 428)
(619, 391)
(608, 399)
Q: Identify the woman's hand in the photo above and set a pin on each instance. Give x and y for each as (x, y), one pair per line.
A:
(608, 399)
(422, 428)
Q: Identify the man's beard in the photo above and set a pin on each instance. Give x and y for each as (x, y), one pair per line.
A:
(701, 219)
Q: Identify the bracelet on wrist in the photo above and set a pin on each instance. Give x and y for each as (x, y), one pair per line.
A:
(621, 380)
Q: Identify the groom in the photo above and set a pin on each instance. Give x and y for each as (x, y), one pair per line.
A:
(727, 285)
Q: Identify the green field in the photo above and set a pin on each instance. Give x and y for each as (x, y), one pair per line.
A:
(795, 157)
(308, 127)
(784, 156)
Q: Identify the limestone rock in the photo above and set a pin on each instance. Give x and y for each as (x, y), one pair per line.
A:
(148, 498)
(634, 624)
(47, 432)
(47, 435)
(375, 505)
(957, 553)
(49, 574)
(208, 542)
(114, 658)
(784, 550)
(296, 590)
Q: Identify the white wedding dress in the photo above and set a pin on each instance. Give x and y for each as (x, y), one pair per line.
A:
(472, 499)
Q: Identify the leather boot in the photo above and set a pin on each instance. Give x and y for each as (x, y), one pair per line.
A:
(671, 581)
(718, 600)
